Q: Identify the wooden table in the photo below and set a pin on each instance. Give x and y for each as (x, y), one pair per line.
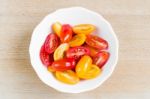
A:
(130, 20)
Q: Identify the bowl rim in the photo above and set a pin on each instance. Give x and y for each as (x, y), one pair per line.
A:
(109, 26)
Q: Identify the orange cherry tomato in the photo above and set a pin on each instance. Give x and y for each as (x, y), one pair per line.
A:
(83, 29)
(96, 42)
(68, 77)
(101, 58)
(83, 65)
(66, 33)
(77, 40)
(57, 28)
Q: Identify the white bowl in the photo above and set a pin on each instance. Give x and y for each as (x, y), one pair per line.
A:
(73, 16)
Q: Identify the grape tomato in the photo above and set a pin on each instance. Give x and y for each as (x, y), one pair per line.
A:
(77, 52)
(51, 43)
(96, 42)
(66, 33)
(101, 58)
(63, 64)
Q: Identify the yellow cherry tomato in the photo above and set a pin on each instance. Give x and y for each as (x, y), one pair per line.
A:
(57, 28)
(84, 29)
(59, 52)
(77, 40)
(68, 77)
(92, 73)
(50, 69)
(83, 65)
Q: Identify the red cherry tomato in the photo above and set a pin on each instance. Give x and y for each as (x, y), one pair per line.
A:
(63, 64)
(96, 42)
(45, 57)
(77, 52)
(51, 43)
(66, 33)
(101, 58)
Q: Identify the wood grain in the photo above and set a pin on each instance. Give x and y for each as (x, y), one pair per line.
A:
(130, 20)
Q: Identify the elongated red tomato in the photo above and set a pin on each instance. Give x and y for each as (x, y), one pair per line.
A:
(63, 64)
(51, 43)
(46, 58)
(66, 33)
(77, 52)
(96, 42)
(101, 58)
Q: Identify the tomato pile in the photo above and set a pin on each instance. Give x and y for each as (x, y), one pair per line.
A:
(73, 53)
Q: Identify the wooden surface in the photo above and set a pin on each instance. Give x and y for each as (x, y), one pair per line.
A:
(130, 20)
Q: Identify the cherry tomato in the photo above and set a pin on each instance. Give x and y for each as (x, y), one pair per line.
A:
(96, 42)
(59, 52)
(68, 77)
(83, 65)
(93, 51)
(63, 64)
(77, 52)
(49, 68)
(101, 58)
(83, 29)
(92, 73)
(45, 57)
(66, 33)
(51, 43)
(77, 40)
(57, 28)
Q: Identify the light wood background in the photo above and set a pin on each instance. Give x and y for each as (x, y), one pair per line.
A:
(130, 20)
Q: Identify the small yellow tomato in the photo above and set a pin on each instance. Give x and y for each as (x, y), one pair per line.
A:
(59, 52)
(84, 29)
(68, 77)
(83, 65)
(77, 40)
(57, 28)
(49, 68)
(92, 73)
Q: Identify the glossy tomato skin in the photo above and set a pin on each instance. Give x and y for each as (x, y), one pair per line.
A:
(66, 33)
(96, 42)
(101, 58)
(77, 40)
(83, 65)
(93, 51)
(63, 64)
(51, 43)
(93, 72)
(56, 27)
(59, 53)
(46, 58)
(68, 77)
(77, 52)
(84, 29)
